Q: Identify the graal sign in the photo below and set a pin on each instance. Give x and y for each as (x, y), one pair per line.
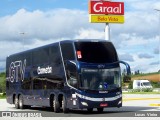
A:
(106, 7)
(106, 11)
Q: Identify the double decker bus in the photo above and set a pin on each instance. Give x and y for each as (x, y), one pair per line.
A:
(70, 74)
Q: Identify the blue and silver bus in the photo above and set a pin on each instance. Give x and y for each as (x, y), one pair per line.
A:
(70, 74)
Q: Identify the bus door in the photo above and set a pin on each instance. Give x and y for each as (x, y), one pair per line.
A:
(72, 81)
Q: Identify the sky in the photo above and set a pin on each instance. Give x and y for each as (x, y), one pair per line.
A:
(46, 21)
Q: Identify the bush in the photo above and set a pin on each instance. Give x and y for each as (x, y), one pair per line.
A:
(155, 84)
(2, 74)
(142, 90)
(147, 90)
(130, 86)
(2, 86)
(2, 82)
(134, 90)
(2, 94)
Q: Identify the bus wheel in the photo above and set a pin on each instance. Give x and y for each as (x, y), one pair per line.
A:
(90, 109)
(21, 106)
(56, 105)
(100, 110)
(16, 102)
(64, 105)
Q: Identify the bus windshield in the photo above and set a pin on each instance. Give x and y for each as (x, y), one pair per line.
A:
(96, 52)
(100, 79)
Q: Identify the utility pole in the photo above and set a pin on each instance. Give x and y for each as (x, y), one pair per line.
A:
(22, 33)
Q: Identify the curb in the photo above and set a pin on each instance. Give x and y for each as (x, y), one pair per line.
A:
(130, 99)
(154, 104)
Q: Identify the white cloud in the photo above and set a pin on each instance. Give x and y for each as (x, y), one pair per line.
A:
(142, 5)
(157, 50)
(55, 24)
(145, 55)
(143, 64)
(155, 63)
(89, 34)
(126, 57)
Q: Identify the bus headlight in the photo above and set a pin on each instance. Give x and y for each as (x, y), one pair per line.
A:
(119, 102)
(84, 103)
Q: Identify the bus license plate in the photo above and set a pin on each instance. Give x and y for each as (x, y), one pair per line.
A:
(103, 105)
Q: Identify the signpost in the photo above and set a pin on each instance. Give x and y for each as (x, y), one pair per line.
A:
(102, 11)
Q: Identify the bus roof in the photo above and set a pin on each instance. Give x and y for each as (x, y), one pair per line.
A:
(63, 41)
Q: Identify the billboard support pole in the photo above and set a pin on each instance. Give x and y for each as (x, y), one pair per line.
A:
(107, 32)
(107, 28)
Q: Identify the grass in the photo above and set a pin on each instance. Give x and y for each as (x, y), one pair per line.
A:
(2, 96)
(150, 76)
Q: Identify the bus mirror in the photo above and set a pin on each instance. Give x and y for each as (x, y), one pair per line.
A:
(127, 67)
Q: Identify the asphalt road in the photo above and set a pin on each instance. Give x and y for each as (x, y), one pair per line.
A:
(131, 104)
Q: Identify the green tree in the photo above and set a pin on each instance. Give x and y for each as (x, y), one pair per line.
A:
(2, 82)
(126, 78)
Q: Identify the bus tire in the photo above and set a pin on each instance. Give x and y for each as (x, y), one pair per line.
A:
(56, 105)
(21, 104)
(16, 102)
(64, 105)
(90, 109)
(100, 110)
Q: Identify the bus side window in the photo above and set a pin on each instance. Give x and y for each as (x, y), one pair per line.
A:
(67, 51)
(37, 84)
(54, 55)
(26, 84)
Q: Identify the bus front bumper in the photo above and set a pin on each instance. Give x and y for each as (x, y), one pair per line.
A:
(83, 103)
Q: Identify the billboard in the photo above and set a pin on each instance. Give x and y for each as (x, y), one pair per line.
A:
(106, 7)
(106, 11)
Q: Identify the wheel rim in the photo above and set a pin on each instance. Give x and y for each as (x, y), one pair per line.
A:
(16, 101)
(53, 104)
(56, 106)
(63, 104)
(20, 102)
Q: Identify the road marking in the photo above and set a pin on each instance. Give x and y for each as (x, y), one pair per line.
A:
(130, 99)
(154, 104)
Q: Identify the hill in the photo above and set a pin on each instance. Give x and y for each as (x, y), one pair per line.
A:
(155, 77)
